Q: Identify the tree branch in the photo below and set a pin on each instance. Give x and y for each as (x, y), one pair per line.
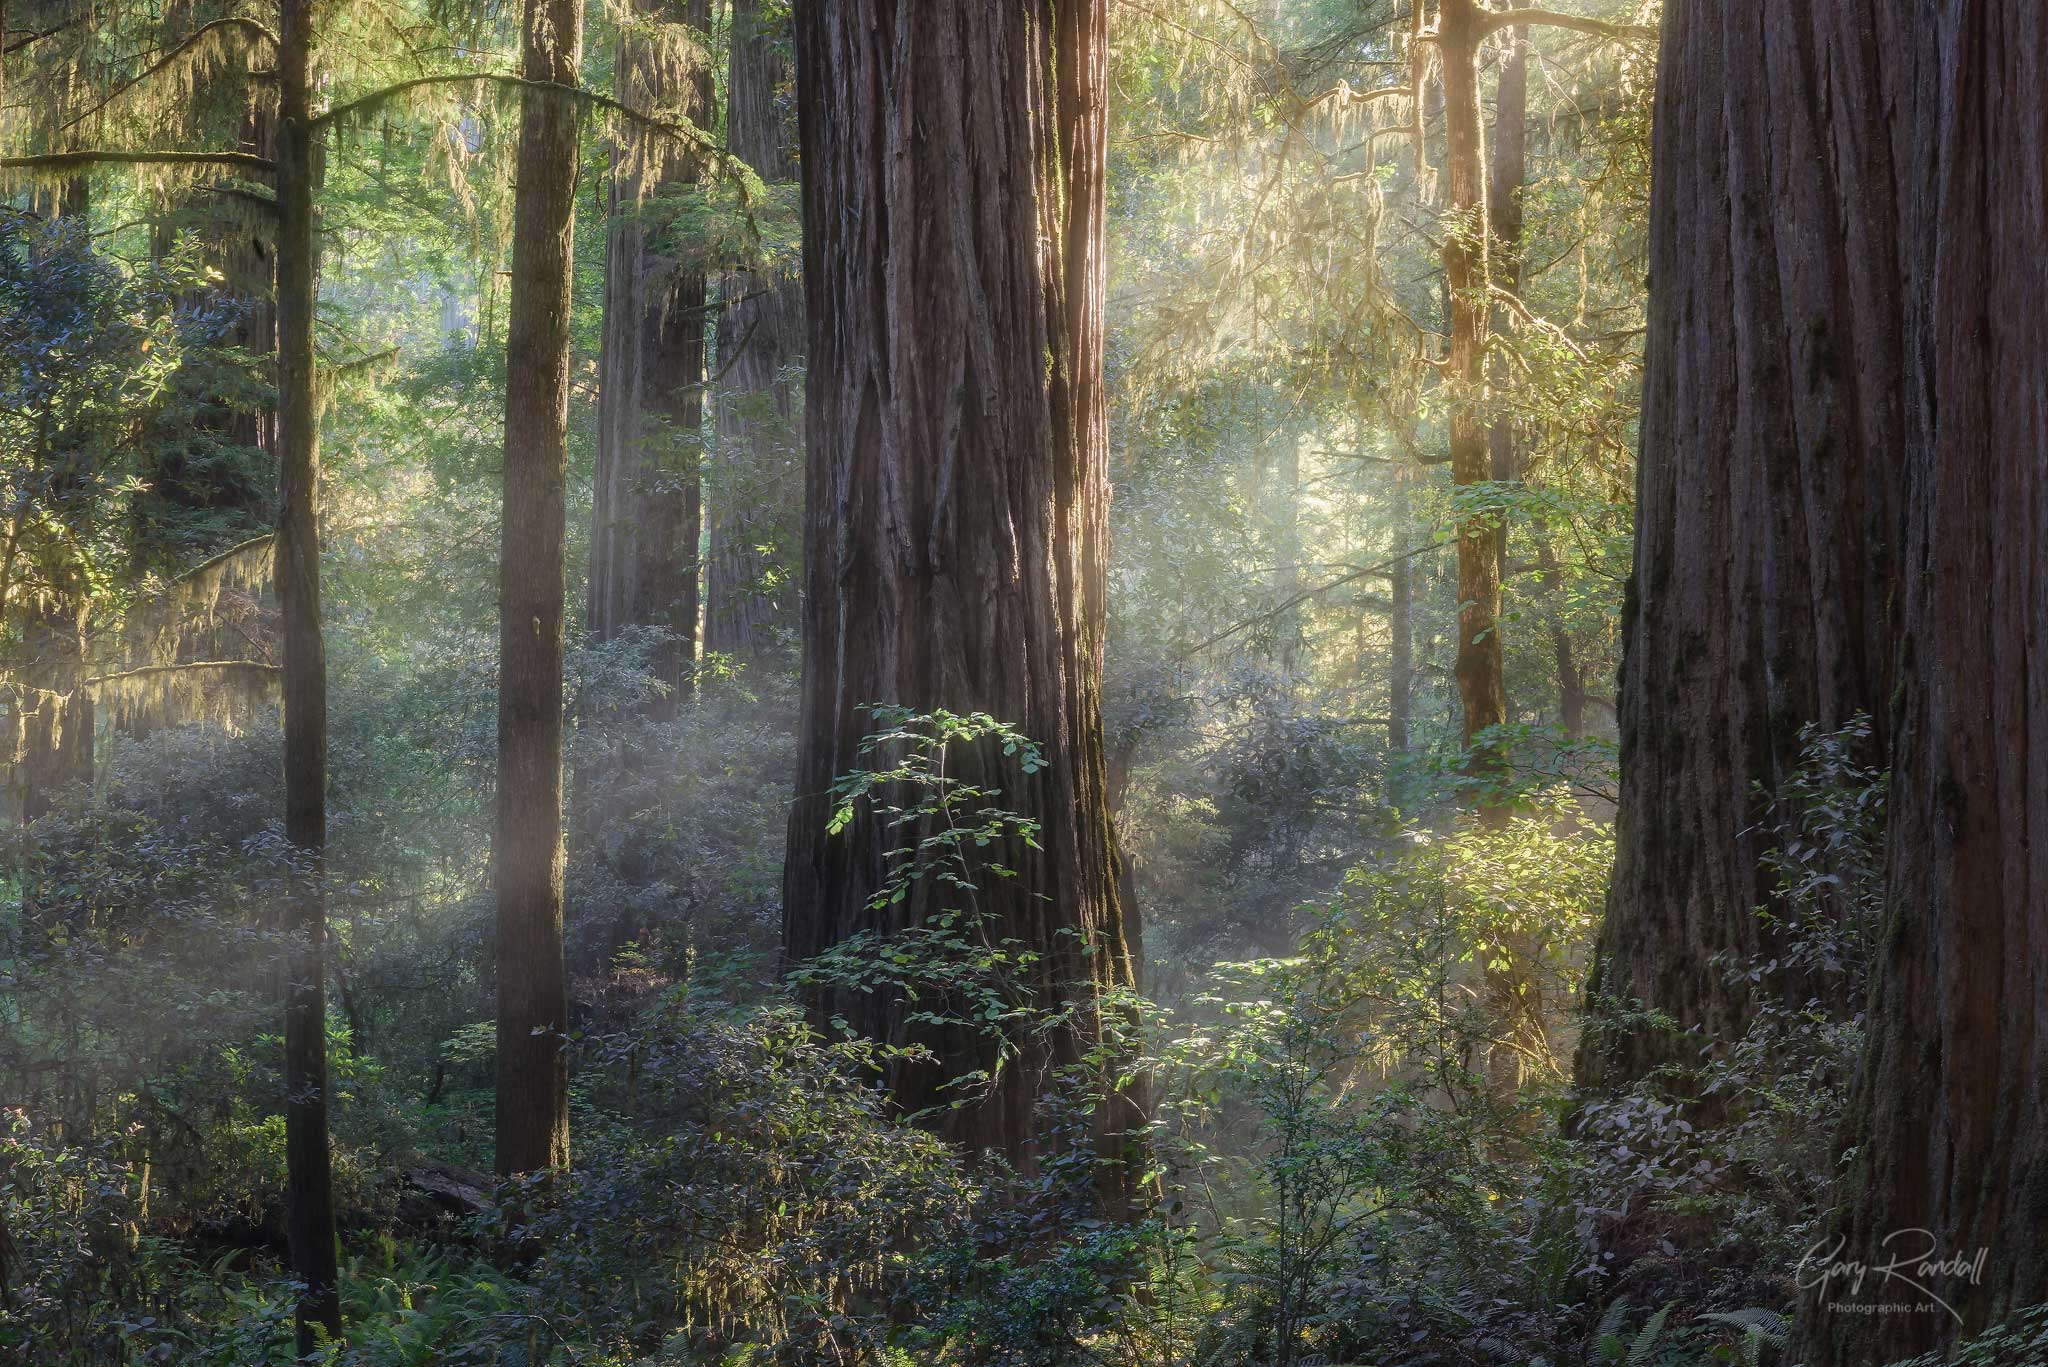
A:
(1515, 18)
(62, 161)
(1366, 572)
(682, 132)
(237, 21)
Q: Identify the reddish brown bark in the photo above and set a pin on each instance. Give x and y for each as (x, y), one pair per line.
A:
(1949, 1123)
(533, 1074)
(955, 522)
(1767, 500)
(1482, 690)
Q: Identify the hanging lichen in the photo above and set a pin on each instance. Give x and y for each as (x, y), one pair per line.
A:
(229, 694)
(164, 626)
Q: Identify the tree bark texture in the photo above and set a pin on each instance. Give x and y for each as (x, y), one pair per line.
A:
(647, 504)
(957, 480)
(533, 1074)
(309, 1204)
(1949, 1122)
(750, 593)
(1767, 489)
(1482, 690)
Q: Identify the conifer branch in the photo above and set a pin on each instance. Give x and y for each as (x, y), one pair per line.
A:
(70, 161)
(236, 21)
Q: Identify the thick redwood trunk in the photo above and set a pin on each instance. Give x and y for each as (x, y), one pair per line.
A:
(956, 498)
(533, 1074)
(309, 1205)
(1766, 507)
(749, 603)
(647, 507)
(1949, 1124)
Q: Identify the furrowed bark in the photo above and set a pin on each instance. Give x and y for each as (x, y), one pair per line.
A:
(957, 485)
(1767, 499)
(1482, 690)
(1948, 1126)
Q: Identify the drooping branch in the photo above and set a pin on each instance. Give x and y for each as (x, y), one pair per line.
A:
(227, 693)
(78, 160)
(682, 130)
(234, 21)
(732, 168)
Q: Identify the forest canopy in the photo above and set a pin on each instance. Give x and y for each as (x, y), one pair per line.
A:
(1130, 683)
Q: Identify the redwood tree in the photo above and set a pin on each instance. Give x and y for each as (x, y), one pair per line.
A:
(760, 332)
(1767, 493)
(1948, 1126)
(647, 509)
(956, 487)
(533, 1072)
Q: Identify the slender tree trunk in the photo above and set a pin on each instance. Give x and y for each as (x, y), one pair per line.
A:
(647, 512)
(957, 491)
(1767, 492)
(1401, 630)
(760, 331)
(1509, 152)
(309, 1204)
(533, 1071)
(1482, 690)
(1948, 1125)
(1571, 676)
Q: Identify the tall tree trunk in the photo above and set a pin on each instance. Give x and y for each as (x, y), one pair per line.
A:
(1949, 1121)
(760, 331)
(1571, 675)
(1509, 153)
(1482, 690)
(647, 512)
(1504, 222)
(957, 490)
(309, 1204)
(533, 1071)
(1767, 494)
(1400, 629)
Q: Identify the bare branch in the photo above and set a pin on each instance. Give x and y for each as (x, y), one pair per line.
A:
(1367, 572)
